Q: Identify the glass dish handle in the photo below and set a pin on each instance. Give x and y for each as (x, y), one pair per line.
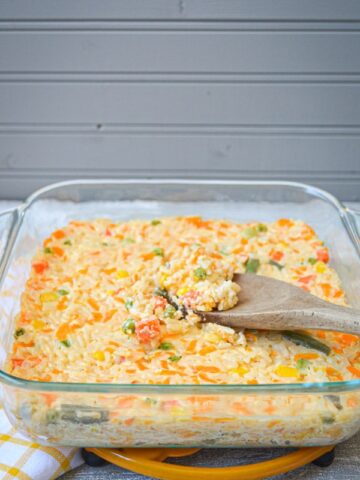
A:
(353, 218)
(8, 222)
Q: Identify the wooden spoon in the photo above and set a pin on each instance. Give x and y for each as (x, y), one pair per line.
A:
(269, 304)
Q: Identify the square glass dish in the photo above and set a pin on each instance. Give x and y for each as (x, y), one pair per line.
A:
(118, 415)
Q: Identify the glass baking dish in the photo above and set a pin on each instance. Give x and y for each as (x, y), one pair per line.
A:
(117, 415)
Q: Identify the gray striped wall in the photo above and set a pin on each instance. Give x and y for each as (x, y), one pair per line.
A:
(204, 88)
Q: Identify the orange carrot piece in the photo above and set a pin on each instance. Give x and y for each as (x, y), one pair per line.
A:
(59, 252)
(355, 371)
(277, 255)
(59, 234)
(93, 304)
(147, 256)
(326, 288)
(41, 266)
(306, 356)
(208, 369)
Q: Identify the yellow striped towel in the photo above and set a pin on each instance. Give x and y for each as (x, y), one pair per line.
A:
(22, 459)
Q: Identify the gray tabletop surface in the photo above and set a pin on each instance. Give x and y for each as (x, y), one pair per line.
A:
(345, 467)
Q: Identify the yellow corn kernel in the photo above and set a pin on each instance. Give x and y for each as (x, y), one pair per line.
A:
(38, 324)
(110, 292)
(182, 291)
(122, 274)
(212, 338)
(320, 267)
(284, 371)
(178, 411)
(239, 370)
(163, 279)
(48, 297)
(99, 356)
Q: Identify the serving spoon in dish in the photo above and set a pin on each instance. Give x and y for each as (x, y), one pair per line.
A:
(269, 304)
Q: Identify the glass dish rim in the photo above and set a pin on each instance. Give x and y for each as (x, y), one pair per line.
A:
(305, 387)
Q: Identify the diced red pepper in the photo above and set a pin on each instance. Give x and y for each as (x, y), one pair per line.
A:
(323, 255)
(307, 279)
(41, 266)
(190, 298)
(277, 256)
(147, 329)
(108, 232)
(17, 362)
(159, 302)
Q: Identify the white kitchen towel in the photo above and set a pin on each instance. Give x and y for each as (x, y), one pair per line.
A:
(23, 459)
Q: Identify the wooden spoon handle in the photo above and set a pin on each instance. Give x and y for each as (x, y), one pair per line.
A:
(332, 319)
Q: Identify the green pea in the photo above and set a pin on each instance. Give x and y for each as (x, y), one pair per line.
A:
(129, 326)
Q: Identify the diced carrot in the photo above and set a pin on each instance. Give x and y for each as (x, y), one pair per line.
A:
(58, 234)
(206, 350)
(167, 371)
(129, 421)
(108, 271)
(252, 382)
(352, 402)
(159, 302)
(208, 369)
(355, 371)
(147, 329)
(241, 408)
(323, 255)
(332, 372)
(204, 377)
(277, 255)
(191, 347)
(306, 356)
(320, 334)
(93, 304)
(49, 398)
(338, 294)
(238, 250)
(96, 317)
(196, 418)
(18, 345)
(17, 362)
(270, 409)
(307, 279)
(338, 350)
(348, 339)
(326, 288)
(59, 252)
(140, 364)
(62, 304)
(201, 399)
(196, 221)
(204, 239)
(147, 256)
(41, 266)
(110, 314)
(273, 423)
(63, 331)
(285, 222)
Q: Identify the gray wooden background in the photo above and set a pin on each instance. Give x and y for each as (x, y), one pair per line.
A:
(229, 88)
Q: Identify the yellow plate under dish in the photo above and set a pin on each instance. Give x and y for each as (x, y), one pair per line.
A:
(149, 461)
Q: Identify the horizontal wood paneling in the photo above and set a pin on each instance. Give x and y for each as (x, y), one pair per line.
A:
(190, 104)
(183, 9)
(101, 153)
(230, 88)
(185, 52)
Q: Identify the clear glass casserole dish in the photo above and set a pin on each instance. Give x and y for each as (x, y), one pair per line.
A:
(117, 415)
